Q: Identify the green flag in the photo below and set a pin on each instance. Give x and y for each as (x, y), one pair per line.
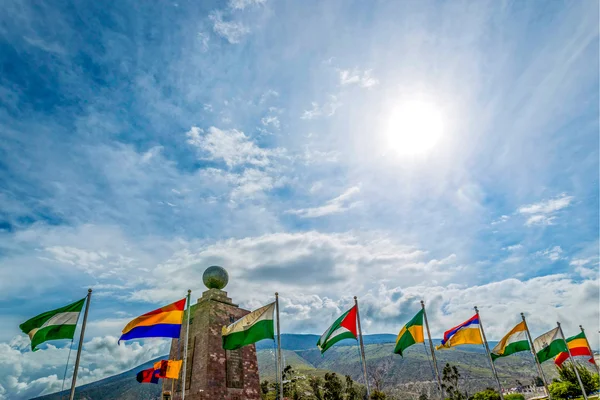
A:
(410, 334)
(257, 325)
(549, 345)
(52, 325)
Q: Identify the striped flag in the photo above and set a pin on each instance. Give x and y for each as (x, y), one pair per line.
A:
(577, 346)
(162, 322)
(343, 328)
(53, 325)
(514, 341)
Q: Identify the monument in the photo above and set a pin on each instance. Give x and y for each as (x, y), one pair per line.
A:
(214, 373)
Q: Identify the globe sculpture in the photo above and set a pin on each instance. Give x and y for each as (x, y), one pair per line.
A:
(215, 277)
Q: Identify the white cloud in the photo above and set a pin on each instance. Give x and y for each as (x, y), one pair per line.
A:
(514, 247)
(542, 213)
(500, 220)
(356, 77)
(241, 4)
(327, 109)
(230, 30)
(539, 220)
(553, 254)
(334, 206)
(232, 146)
(267, 95)
(204, 38)
(271, 120)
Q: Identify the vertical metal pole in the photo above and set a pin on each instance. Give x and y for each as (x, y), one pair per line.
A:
(87, 307)
(572, 362)
(280, 377)
(539, 366)
(590, 348)
(185, 346)
(437, 372)
(487, 349)
(362, 348)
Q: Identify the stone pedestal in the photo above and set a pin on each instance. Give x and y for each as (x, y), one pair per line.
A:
(212, 372)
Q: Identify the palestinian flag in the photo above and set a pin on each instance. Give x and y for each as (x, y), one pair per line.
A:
(343, 328)
(53, 325)
(549, 345)
(410, 334)
(257, 325)
(578, 346)
(514, 342)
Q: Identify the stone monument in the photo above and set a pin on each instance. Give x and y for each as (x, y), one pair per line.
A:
(212, 372)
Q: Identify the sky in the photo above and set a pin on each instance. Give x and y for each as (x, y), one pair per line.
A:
(394, 150)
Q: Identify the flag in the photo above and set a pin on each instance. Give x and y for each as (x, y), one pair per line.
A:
(52, 325)
(257, 325)
(513, 342)
(549, 345)
(465, 333)
(149, 375)
(343, 328)
(163, 322)
(410, 334)
(168, 368)
(577, 346)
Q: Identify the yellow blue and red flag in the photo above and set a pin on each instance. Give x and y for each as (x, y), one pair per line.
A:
(465, 333)
(163, 322)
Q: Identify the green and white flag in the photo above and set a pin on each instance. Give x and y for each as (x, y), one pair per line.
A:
(548, 345)
(343, 328)
(257, 325)
(52, 325)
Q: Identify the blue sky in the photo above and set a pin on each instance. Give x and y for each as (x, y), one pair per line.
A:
(141, 143)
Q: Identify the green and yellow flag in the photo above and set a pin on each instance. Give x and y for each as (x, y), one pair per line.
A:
(410, 334)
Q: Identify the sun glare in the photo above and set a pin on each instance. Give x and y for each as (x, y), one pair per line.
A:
(414, 128)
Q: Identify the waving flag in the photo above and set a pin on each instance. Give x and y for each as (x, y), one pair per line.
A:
(577, 346)
(163, 322)
(343, 328)
(149, 375)
(549, 345)
(53, 325)
(257, 325)
(410, 334)
(465, 333)
(513, 342)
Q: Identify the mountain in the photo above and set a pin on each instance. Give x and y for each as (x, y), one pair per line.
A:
(395, 372)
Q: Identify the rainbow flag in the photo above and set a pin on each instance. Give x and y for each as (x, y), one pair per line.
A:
(465, 333)
(162, 322)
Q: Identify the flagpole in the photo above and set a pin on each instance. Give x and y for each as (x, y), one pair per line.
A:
(572, 362)
(362, 348)
(280, 372)
(537, 362)
(487, 349)
(85, 314)
(185, 346)
(590, 348)
(437, 372)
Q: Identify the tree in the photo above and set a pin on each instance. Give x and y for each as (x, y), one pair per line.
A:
(264, 388)
(378, 395)
(315, 384)
(567, 385)
(378, 370)
(351, 390)
(423, 396)
(450, 377)
(487, 394)
(514, 396)
(538, 382)
(333, 387)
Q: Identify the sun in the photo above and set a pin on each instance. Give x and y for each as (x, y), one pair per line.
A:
(414, 127)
